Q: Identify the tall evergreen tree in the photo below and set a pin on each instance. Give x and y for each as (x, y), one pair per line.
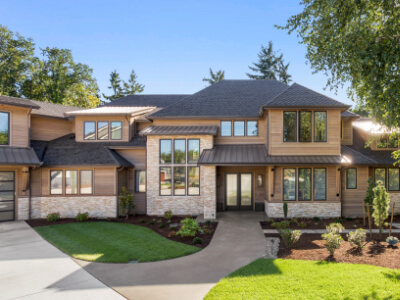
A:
(115, 86)
(121, 88)
(215, 77)
(132, 86)
(283, 74)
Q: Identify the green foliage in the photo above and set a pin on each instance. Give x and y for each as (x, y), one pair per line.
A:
(290, 237)
(392, 240)
(142, 221)
(381, 206)
(369, 196)
(332, 241)
(316, 219)
(197, 240)
(302, 224)
(335, 228)
(208, 222)
(126, 200)
(281, 225)
(161, 225)
(53, 217)
(215, 77)
(206, 231)
(357, 238)
(285, 209)
(168, 215)
(338, 220)
(82, 217)
(360, 110)
(189, 227)
(150, 223)
(121, 88)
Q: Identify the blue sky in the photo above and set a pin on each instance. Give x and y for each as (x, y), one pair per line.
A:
(170, 44)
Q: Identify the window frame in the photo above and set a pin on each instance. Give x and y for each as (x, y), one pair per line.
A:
(77, 182)
(62, 182)
(298, 184)
(347, 179)
(159, 152)
(137, 188)
(172, 181)
(231, 131)
(326, 184)
(311, 126)
(283, 184)
(295, 129)
(8, 129)
(244, 128)
(388, 185)
(84, 131)
(122, 131)
(108, 131)
(247, 128)
(92, 182)
(326, 126)
(187, 179)
(187, 150)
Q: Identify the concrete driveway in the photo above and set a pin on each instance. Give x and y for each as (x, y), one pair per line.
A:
(31, 268)
(237, 241)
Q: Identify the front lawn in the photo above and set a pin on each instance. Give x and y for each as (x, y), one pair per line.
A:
(112, 242)
(296, 279)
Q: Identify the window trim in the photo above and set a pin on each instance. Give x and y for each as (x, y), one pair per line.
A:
(247, 122)
(173, 161)
(62, 182)
(9, 128)
(77, 181)
(97, 131)
(172, 181)
(326, 184)
(388, 185)
(159, 152)
(187, 150)
(347, 179)
(298, 185)
(244, 128)
(224, 121)
(122, 131)
(136, 182)
(283, 184)
(311, 126)
(283, 126)
(326, 126)
(187, 179)
(80, 182)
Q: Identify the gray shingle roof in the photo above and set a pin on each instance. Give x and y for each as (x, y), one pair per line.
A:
(227, 98)
(146, 100)
(349, 114)
(299, 96)
(180, 130)
(7, 100)
(18, 156)
(51, 109)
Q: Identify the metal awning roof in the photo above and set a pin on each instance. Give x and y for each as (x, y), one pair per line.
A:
(18, 156)
(180, 130)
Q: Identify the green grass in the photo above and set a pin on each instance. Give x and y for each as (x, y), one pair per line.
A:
(113, 242)
(298, 279)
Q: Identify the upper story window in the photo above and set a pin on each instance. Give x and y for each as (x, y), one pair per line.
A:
(320, 126)
(289, 126)
(165, 151)
(103, 130)
(305, 132)
(240, 128)
(116, 130)
(179, 151)
(387, 142)
(252, 128)
(305, 122)
(226, 128)
(89, 130)
(193, 151)
(4, 128)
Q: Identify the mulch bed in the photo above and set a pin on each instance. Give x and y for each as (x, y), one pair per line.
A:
(376, 251)
(145, 221)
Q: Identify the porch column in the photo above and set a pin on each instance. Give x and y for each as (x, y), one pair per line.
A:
(209, 187)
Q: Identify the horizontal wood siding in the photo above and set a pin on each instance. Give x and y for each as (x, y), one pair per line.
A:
(352, 199)
(47, 129)
(36, 182)
(79, 121)
(105, 181)
(19, 125)
(347, 132)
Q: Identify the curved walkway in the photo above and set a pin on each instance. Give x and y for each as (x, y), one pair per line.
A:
(237, 241)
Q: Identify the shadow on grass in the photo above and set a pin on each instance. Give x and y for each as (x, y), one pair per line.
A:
(260, 266)
(392, 275)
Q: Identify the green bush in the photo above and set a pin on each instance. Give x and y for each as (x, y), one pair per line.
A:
(316, 219)
(302, 224)
(54, 217)
(285, 209)
(189, 227)
(335, 227)
(142, 221)
(161, 225)
(381, 206)
(392, 240)
(208, 222)
(168, 215)
(294, 220)
(338, 220)
(281, 225)
(369, 195)
(126, 201)
(150, 223)
(290, 237)
(357, 238)
(349, 219)
(207, 231)
(197, 240)
(332, 241)
(159, 221)
(82, 217)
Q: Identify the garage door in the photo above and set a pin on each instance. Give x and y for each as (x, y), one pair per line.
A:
(7, 199)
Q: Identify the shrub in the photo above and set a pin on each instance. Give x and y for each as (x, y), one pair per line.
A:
(54, 217)
(142, 221)
(357, 238)
(171, 233)
(207, 231)
(173, 228)
(281, 225)
(392, 240)
(335, 227)
(290, 237)
(208, 222)
(369, 196)
(161, 225)
(338, 220)
(349, 219)
(189, 227)
(150, 223)
(294, 220)
(332, 241)
(316, 219)
(168, 221)
(168, 215)
(197, 240)
(285, 209)
(302, 224)
(380, 205)
(82, 217)
(126, 201)
(159, 221)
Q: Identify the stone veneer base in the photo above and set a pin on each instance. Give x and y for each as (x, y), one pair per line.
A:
(304, 210)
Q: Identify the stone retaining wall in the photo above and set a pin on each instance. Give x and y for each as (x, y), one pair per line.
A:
(395, 197)
(304, 209)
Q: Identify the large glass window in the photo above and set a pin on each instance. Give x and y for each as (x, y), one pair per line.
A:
(289, 126)
(304, 185)
(166, 181)
(289, 184)
(165, 151)
(179, 181)
(305, 133)
(252, 128)
(193, 181)
(394, 176)
(193, 151)
(319, 184)
(89, 130)
(102, 130)
(351, 178)
(86, 182)
(226, 128)
(4, 128)
(140, 181)
(116, 130)
(179, 151)
(56, 182)
(320, 126)
(380, 175)
(71, 182)
(238, 128)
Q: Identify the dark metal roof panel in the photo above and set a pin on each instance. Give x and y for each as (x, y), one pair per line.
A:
(180, 130)
(18, 156)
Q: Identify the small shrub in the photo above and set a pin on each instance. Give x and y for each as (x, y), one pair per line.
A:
(168, 215)
(302, 224)
(294, 220)
(142, 221)
(392, 240)
(207, 231)
(338, 220)
(173, 228)
(381, 206)
(126, 201)
(168, 221)
(354, 226)
(159, 221)
(285, 209)
(154, 219)
(54, 217)
(189, 227)
(197, 240)
(332, 241)
(171, 233)
(150, 223)
(82, 217)
(349, 219)
(161, 225)
(290, 237)
(316, 223)
(357, 238)
(335, 227)
(316, 219)
(208, 222)
(281, 225)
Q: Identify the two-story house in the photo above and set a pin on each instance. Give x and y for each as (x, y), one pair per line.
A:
(235, 145)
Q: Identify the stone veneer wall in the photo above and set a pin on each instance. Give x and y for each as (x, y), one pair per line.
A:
(23, 209)
(395, 197)
(180, 205)
(304, 209)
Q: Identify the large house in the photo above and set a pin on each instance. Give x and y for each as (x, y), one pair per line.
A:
(235, 145)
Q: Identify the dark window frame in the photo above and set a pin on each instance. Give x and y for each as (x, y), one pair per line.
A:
(187, 150)
(298, 184)
(388, 185)
(92, 182)
(137, 189)
(326, 184)
(187, 179)
(311, 126)
(347, 179)
(77, 182)
(62, 182)
(8, 129)
(231, 133)
(122, 131)
(172, 181)
(108, 130)
(84, 131)
(326, 126)
(159, 152)
(283, 126)
(283, 184)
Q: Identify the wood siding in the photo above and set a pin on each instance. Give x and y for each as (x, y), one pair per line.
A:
(47, 129)
(19, 126)
(347, 131)
(79, 123)
(352, 199)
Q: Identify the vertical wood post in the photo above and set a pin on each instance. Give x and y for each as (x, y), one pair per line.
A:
(369, 222)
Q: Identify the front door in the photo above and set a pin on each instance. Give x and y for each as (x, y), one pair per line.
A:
(7, 192)
(239, 191)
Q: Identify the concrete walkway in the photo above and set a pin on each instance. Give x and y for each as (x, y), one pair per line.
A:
(31, 268)
(237, 241)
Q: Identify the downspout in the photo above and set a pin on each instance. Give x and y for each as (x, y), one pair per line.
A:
(30, 191)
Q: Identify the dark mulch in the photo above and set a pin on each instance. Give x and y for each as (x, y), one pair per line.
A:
(376, 251)
(145, 221)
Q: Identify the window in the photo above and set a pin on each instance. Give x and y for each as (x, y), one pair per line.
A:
(252, 128)
(393, 142)
(165, 151)
(165, 181)
(226, 128)
(351, 178)
(319, 184)
(89, 130)
(238, 128)
(305, 133)
(380, 175)
(320, 126)
(289, 126)
(140, 177)
(394, 182)
(102, 130)
(382, 143)
(179, 181)
(304, 185)
(193, 151)
(4, 128)
(179, 151)
(86, 182)
(388, 142)
(193, 181)
(289, 184)
(71, 182)
(56, 182)
(116, 130)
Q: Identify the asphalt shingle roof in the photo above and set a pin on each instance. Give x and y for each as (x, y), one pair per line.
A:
(141, 100)
(7, 100)
(51, 109)
(349, 114)
(18, 156)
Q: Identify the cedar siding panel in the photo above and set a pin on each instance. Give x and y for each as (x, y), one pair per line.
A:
(47, 129)
(105, 181)
(352, 199)
(36, 182)
(19, 125)
(347, 131)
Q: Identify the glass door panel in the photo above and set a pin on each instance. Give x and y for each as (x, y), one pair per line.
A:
(231, 189)
(246, 189)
